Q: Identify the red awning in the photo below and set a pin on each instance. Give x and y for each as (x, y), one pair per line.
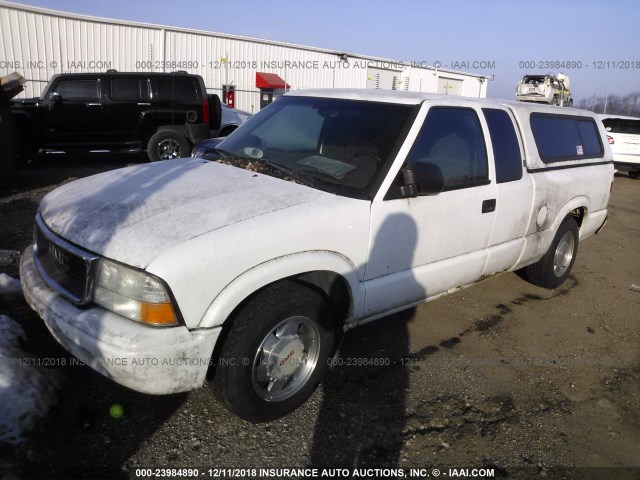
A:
(270, 80)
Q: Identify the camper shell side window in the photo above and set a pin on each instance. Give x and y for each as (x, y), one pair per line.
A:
(564, 137)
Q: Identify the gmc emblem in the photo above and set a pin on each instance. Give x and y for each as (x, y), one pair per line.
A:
(59, 258)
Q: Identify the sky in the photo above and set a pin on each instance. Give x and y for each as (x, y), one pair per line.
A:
(599, 42)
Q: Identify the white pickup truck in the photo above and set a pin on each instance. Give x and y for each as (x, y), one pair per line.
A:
(352, 204)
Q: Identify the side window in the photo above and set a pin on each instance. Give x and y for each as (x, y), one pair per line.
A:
(561, 137)
(452, 139)
(179, 88)
(590, 138)
(129, 89)
(506, 148)
(78, 89)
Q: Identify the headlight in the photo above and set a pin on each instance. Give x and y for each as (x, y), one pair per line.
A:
(133, 294)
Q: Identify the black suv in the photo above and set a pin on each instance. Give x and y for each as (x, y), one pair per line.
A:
(164, 113)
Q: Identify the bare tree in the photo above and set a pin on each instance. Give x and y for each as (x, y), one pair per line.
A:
(628, 104)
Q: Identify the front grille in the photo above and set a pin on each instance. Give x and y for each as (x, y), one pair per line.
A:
(64, 267)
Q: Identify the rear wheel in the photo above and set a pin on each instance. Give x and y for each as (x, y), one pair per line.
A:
(555, 266)
(167, 145)
(276, 352)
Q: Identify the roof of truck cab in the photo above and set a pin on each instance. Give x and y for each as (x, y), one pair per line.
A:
(415, 98)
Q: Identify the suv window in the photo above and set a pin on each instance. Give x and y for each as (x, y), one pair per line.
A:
(452, 139)
(622, 125)
(78, 89)
(506, 148)
(129, 89)
(562, 137)
(178, 88)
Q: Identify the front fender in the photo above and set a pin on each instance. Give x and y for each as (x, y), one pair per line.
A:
(280, 268)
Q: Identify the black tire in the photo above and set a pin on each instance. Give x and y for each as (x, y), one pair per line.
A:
(553, 268)
(167, 145)
(215, 111)
(634, 174)
(253, 352)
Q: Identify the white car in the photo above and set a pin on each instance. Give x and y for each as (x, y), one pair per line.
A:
(352, 204)
(623, 134)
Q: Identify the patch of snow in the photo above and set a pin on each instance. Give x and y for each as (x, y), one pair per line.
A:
(26, 391)
(9, 285)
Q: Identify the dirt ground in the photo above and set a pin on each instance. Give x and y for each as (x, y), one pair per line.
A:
(506, 376)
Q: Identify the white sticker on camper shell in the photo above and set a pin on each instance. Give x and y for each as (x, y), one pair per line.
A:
(579, 150)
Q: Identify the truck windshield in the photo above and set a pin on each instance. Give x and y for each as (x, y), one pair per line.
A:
(337, 145)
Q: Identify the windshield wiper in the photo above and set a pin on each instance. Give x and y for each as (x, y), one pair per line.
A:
(291, 172)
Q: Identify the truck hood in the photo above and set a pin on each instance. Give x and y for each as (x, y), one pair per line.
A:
(134, 214)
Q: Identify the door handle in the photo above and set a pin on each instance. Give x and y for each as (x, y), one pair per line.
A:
(143, 104)
(489, 205)
(94, 105)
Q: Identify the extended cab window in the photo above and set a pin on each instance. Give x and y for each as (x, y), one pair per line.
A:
(563, 137)
(129, 89)
(452, 139)
(78, 89)
(506, 148)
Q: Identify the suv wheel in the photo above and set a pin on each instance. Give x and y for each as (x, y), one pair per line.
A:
(634, 174)
(276, 352)
(553, 269)
(167, 145)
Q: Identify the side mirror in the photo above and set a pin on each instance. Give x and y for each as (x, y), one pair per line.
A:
(54, 98)
(421, 178)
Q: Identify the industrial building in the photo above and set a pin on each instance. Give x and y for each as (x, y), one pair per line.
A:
(247, 72)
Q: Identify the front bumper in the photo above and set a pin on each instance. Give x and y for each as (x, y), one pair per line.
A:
(143, 358)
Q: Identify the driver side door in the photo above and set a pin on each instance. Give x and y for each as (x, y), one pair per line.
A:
(426, 245)
(76, 117)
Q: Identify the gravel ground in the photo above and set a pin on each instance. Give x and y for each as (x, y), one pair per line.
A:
(528, 382)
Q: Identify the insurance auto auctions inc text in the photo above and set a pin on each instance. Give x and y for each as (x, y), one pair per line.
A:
(353, 473)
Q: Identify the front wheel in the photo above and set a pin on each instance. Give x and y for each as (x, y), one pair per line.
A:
(167, 145)
(276, 352)
(555, 266)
